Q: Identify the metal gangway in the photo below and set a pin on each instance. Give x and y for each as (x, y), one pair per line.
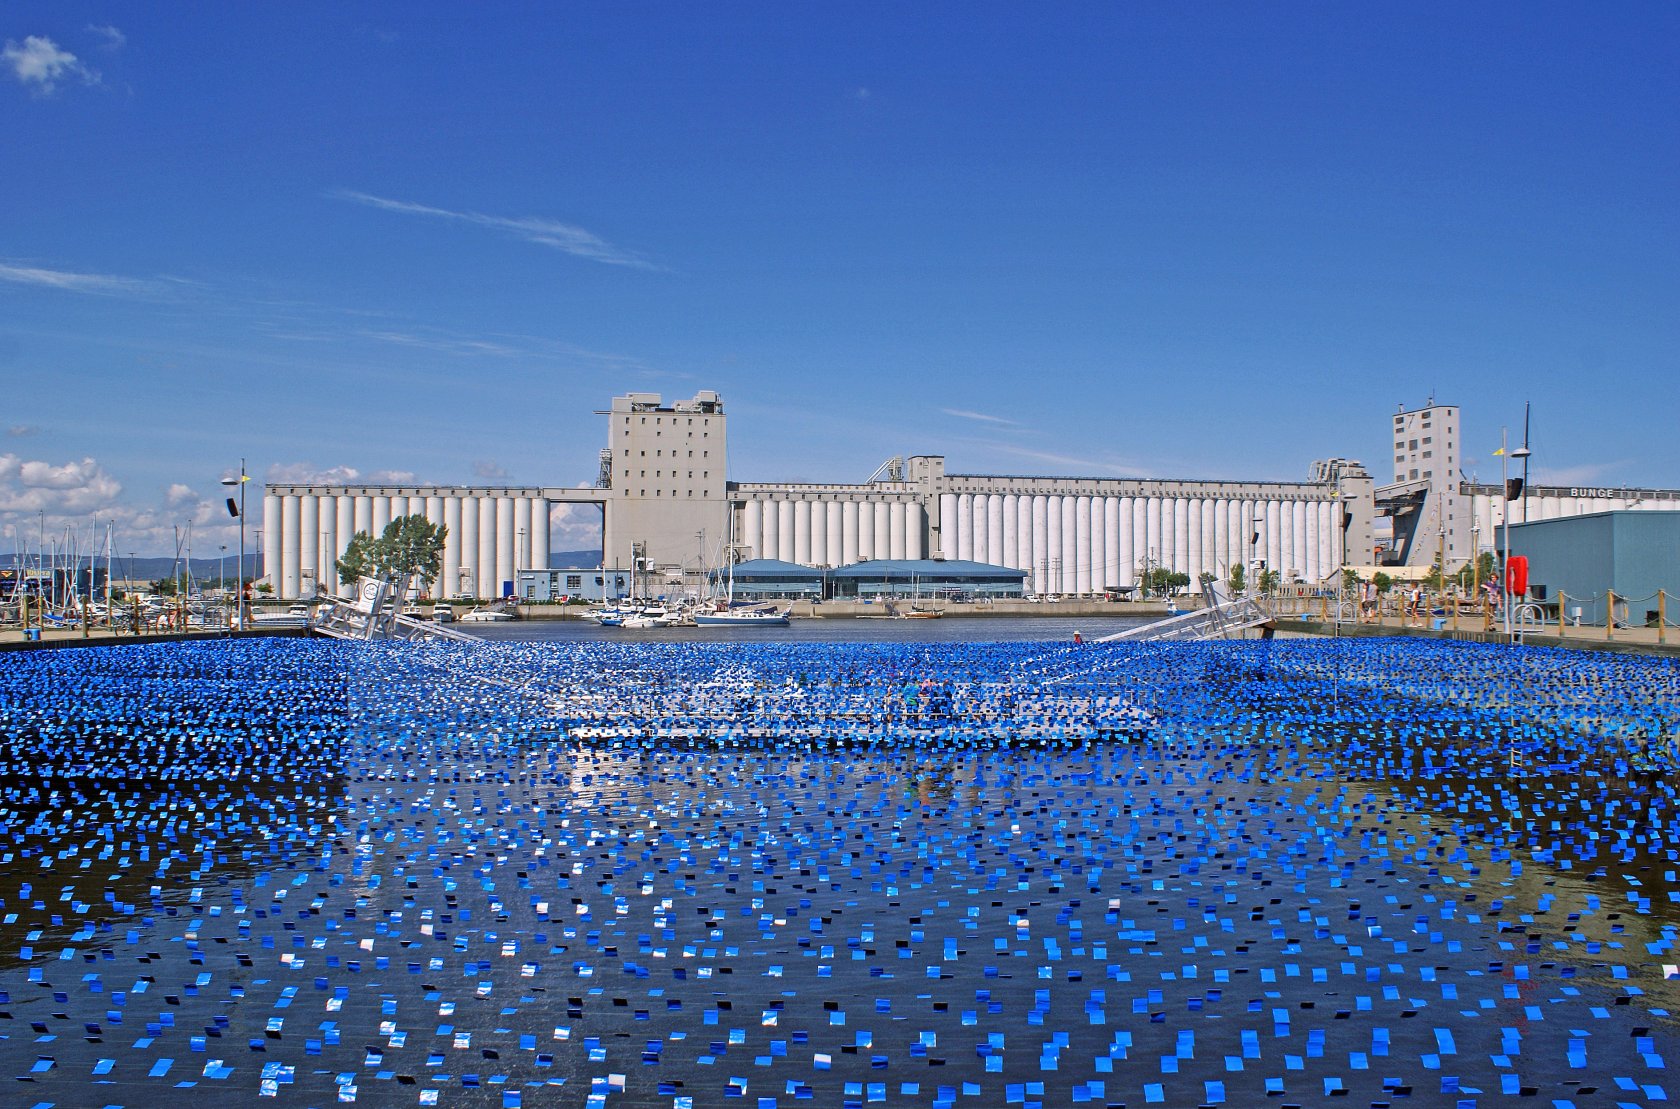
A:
(1220, 618)
(371, 616)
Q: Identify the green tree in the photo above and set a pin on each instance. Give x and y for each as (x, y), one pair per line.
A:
(1237, 579)
(1268, 581)
(1383, 581)
(166, 587)
(1350, 581)
(357, 560)
(1482, 569)
(409, 545)
(1159, 581)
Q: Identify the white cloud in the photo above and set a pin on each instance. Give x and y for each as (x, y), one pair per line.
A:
(565, 237)
(22, 431)
(441, 343)
(1073, 463)
(574, 527)
(34, 486)
(59, 503)
(39, 63)
(307, 473)
(981, 417)
(487, 470)
(114, 39)
(100, 283)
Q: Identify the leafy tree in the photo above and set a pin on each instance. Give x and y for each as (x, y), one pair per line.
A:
(1483, 569)
(1160, 581)
(166, 587)
(358, 558)
(409, 545)
(1350, 581)
(1237, 579)
(1434, 580)
(1383, 582)
(1269, 580)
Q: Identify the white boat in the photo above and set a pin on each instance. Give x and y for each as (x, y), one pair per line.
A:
(487, 615)
(742, 618)
(296, 616)
(725, 614)
(443, 614)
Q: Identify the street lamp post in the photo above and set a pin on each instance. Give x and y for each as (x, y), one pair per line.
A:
(1505, 457)
(240, 481)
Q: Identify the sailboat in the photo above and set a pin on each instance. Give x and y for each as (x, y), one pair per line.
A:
(725, 614)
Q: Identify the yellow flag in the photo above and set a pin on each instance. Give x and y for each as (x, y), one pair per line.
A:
(1499, 452)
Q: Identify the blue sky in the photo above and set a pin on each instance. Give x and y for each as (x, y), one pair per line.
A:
(1188, 240)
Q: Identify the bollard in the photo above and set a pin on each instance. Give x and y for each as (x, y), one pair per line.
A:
(1563, 603)
(1610, 614)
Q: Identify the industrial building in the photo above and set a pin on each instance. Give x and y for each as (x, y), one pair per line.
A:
(1583, 559)
(662, 484)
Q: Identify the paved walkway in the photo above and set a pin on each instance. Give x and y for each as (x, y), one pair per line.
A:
(1587, 637)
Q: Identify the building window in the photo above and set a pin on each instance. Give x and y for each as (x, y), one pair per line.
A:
(575, 581)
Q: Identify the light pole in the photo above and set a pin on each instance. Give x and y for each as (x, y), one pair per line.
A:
(1505, 457)
(221, 571)
(239, 511)
(1255, 563)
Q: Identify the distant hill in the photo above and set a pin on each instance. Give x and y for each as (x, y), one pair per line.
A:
(566, 559)
(151, 568)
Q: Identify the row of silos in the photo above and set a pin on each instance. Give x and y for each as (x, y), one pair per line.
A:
(823, 532)
(1083, 544)
(490, 535)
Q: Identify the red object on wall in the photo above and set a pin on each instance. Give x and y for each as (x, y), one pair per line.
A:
(1516, 575)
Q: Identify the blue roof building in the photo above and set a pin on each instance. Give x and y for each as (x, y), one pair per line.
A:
(770, 579)
(925, 577)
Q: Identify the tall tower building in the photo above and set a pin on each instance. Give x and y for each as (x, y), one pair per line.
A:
(1431, 517)
(668, 471)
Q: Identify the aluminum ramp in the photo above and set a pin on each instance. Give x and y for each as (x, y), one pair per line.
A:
(1223, 619)
(369, 618)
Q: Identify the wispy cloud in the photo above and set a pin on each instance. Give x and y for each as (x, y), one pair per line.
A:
(23, 431)
(114, 39)
(1074, 463)
(307, 473)
(965, 414)
(1587, 473)
(443, 344)
(565, 237)
(488, 470)
(98, 283)
(39, 64)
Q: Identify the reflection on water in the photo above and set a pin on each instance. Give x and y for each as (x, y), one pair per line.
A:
(904, 871)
